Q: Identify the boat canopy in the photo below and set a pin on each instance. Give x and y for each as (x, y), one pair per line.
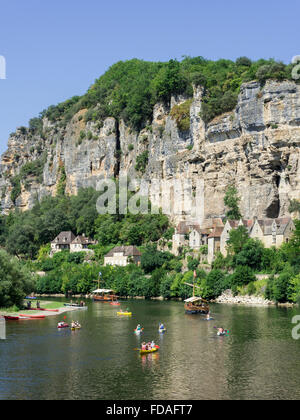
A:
(194, 299)
(102, 291)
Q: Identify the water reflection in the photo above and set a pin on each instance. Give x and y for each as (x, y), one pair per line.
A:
(258, 359)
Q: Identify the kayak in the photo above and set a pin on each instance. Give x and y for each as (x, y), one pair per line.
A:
(115, 303)
(63, 326)
(75, 328)
(124, 313)
(11, 318)
(149, 351)
(33, 316)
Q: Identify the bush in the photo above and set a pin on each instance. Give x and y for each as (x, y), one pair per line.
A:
(242, 275)
(181, 114)
(142, 162)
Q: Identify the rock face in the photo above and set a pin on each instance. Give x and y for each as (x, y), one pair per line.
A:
(255, 147)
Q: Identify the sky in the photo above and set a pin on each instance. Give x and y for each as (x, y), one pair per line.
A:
(56, 49)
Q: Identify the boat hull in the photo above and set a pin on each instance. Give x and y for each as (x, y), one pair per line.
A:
(148, 351)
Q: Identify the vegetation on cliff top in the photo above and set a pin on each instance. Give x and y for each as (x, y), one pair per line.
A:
(129, 89)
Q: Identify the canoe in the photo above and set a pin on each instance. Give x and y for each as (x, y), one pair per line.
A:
(149, 351)
(63, 326)
(11, 318)
(124, 313)
(34, 316)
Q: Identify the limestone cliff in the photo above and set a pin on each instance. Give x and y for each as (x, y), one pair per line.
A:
(256, 147)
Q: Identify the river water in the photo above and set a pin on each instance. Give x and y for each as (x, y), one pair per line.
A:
(258, 359)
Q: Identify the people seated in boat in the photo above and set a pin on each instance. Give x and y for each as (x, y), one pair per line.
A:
(82, 303)
(221, 330)
(152, 344)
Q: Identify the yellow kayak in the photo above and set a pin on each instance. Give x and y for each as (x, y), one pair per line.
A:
(148, 351)
(75, 328)
(125, 313)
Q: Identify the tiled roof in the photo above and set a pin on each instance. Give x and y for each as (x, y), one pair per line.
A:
(84, 240)
(126, 250)
(64, 238)
(217, 232)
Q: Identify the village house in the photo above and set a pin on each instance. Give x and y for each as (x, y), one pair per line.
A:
(62, 242)
(214, 243)
(122, 256)
(273, 232)
(81, 243)
(68, 241)
(192, 235)
(214, 234)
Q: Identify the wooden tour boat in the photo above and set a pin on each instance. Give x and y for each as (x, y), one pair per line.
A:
(104, 295)
(195, 304)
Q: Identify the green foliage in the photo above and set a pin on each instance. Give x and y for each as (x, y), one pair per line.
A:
(153, 259)
(242, 275)
(16, 188)
(213, 285)
(294, 289)
(294, 206)
(142, 161)
(181, 114)
(61, 187)
(130, 89)
(231, 201)
(237, 239)
(15, 281)
(251, 254)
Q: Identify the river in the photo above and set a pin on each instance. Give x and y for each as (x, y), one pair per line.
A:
(258, 359)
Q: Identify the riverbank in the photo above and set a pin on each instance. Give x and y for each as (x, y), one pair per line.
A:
(227, 297)
(48, 308)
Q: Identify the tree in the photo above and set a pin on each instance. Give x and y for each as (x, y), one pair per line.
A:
(15, 281)
(231, 201)
(214, 284)
(251, 254)
(237, 239)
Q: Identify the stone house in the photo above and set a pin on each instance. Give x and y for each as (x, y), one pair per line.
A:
(193, 235)
(214, 243)
(229, 225)
(273, 232)
(122, 256)
(81, 243)
(62, 241)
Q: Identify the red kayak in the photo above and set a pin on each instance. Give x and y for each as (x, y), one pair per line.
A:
(33, 316)
(11, 318)
(63, 326)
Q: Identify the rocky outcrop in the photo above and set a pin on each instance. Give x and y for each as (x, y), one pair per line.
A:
(256, 147)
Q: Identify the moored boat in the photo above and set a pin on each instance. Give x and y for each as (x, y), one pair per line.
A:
(104, 295)
(11, 318)
(34, 316)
